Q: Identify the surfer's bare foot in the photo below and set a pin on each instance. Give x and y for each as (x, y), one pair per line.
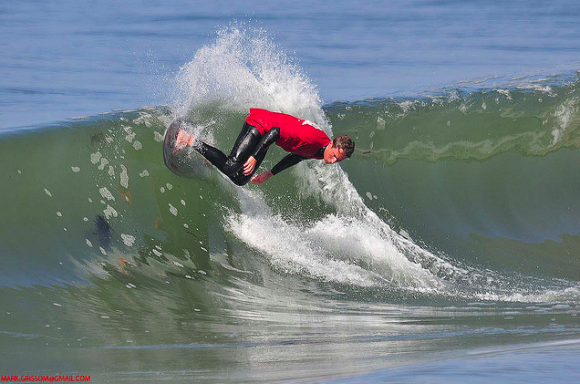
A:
(182, 140)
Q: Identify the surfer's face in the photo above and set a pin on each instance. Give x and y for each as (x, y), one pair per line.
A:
(333, 154)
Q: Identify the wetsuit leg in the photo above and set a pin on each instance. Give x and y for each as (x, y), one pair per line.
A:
(232, 165)
(245, 128)
(214, 155)
(243, 179)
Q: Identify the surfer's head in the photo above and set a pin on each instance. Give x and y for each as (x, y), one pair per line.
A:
(341, 148)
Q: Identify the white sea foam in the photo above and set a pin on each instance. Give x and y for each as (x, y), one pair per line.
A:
(106, 194)
(547, 296)
(104, 163)
(158, 137)
(290, 252)
(124, 181)
(245, 69)
(96, 157)
(130, 137)
(128, 240)
(110, 212)
(564, 115)
(381, 124)
(505, 93)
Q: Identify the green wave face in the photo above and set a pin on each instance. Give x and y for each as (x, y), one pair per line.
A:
(479, 181)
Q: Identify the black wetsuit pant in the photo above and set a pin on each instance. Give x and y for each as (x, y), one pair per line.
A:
(232, 166)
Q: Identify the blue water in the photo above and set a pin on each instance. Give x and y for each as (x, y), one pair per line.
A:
(74, 58)
(468, 272)
(538, 363)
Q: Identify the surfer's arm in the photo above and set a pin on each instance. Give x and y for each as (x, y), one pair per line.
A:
(268, 139)
(286, 162)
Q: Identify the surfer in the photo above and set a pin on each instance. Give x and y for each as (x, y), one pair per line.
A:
(262, 128)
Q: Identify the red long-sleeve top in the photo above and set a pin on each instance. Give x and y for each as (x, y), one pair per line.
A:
(297, 136)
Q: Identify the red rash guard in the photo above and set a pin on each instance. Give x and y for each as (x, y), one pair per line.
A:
(296, 135)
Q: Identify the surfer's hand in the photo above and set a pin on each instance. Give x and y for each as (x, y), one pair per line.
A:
(259, 179)
(249, 166)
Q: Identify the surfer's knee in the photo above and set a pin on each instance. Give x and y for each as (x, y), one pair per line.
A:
(232, 167)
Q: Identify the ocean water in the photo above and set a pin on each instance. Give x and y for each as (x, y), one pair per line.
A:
(445, 251)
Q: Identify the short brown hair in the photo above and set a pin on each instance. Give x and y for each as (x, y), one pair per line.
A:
(345, 143)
